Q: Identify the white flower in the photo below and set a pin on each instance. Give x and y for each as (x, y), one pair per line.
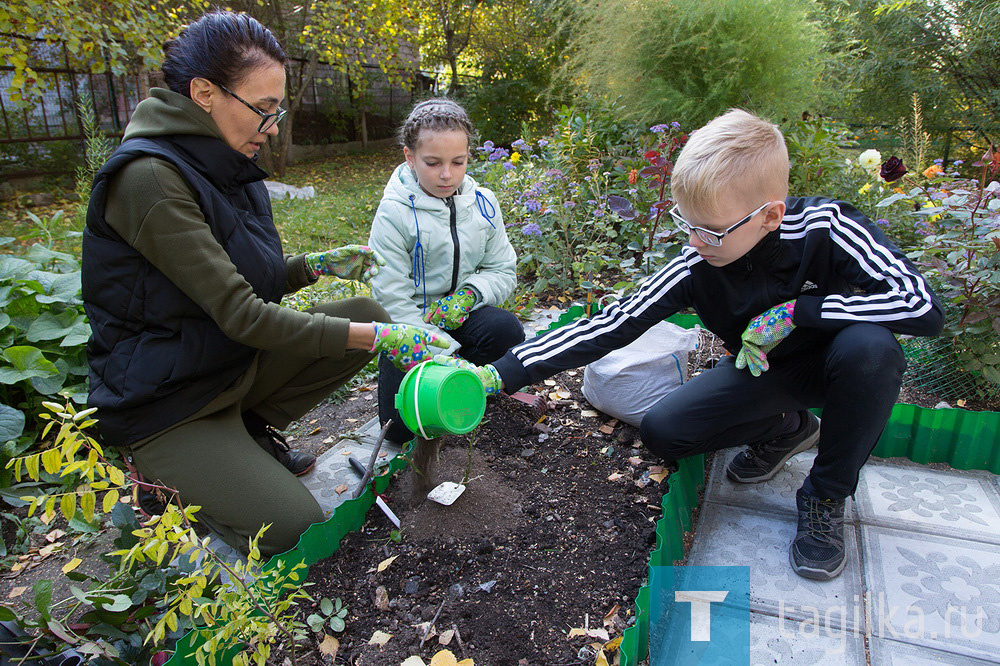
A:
(870, 159)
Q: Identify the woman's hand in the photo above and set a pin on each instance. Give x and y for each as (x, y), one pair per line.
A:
(487, 374)
(404, 345)
(451, 311)
(351, 262)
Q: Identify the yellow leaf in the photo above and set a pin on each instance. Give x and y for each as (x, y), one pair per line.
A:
(601, 659)
(467, 662)
(444, 658)
(110, 499)
(72, 564)
(31, 465)
(384, 564)
(409, 661)
(379, 638)
(116, 475)
(51, 460)
(613, 644)
(88, 501)
(68, 505)
(329, 646)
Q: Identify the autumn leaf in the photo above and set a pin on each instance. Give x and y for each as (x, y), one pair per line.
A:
(384, 564)
(447, 658)
(341, 489)
(379, 638)
(413, 661)
(329, 646)
(72, 564)
(658, 473)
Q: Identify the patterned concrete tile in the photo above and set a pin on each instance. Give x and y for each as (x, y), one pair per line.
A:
(778, 641)
(333, 469)
(886, 652)
(736, 536)
(965, 505)
(920, 584)
(777, 494)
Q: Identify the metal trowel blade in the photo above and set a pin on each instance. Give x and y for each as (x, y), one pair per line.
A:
(446, 493)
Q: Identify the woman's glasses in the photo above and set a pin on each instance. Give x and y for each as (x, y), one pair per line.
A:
(267, 120)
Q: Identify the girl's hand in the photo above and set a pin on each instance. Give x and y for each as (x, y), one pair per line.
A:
(351, 262)
(487, 374)
(451, 311)
(404, 345)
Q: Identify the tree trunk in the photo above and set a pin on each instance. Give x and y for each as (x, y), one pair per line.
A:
(278, 149)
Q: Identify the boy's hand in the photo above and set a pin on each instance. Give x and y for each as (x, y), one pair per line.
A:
(487, 374)
(404, 345)
(351, 262)
(763, 334)
(451, 311)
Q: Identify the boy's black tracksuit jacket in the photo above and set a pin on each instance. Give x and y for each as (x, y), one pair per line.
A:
(834, 261)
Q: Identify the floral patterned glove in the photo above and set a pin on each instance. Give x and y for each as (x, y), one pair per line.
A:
(404, 345)
(763, 334)
(451, 311)
(351, 262)
(487, 374)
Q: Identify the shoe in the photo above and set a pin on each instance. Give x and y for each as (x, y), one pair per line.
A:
(818, 549)
(272, 441)
(150, 500)
(760, 462)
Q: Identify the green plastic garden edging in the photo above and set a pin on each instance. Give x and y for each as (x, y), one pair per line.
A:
(963, 439)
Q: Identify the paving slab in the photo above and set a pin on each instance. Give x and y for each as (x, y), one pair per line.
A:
(778, 641)
(739, 536)
(333, 470)
(887, 652)
(919, 584)
(964, 505)
(776, 494)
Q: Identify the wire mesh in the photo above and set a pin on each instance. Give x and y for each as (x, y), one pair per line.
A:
(934, 367)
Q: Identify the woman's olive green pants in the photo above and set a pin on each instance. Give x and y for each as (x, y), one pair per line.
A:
(211, 460)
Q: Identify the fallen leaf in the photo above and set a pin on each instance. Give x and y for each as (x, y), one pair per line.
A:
(658, 473)
(17, 566)
(550, 382)
(312, 421)
(601, 660)
(635, 461)
(45, 551)
(16, 592)
(363, 389)
(610, 615)
(589, 413)
(613, 644)
(381, 598)
(578, 632)
(614, 476)
(54, 535)
(346, 452)
(384, 564)
(314, 431)
(72, 564)
(413, 661)
(341, 489)
(960, 403)
(329, 646)
(379, 638)
(329, 440)
(447, 658)
(355, 421)
(607, 429)
(446, 637)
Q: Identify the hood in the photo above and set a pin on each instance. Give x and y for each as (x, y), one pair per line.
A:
(166, 113)
(403, 183)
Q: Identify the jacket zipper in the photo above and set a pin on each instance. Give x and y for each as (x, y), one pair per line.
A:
(450, 202)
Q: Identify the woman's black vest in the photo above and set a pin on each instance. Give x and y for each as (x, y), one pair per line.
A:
(155, 356)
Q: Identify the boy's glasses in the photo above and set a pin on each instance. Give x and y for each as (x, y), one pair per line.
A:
(267, 120)
(707, 236)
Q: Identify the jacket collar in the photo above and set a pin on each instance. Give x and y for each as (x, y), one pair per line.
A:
(764, 253)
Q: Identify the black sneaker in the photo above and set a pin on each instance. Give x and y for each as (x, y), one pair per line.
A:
(818, 549)
(760, 462)
(150, 500)
(272, 441)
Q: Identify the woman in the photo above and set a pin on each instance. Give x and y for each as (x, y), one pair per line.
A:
(192, 360)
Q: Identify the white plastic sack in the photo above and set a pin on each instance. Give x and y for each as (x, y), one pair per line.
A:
(630, 380)
(278, 191)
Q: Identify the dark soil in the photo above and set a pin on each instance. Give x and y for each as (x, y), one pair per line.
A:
(547, 537)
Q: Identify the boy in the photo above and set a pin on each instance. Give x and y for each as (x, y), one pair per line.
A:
(807, 293)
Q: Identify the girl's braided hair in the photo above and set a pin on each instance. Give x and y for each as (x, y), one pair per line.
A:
(436, 114)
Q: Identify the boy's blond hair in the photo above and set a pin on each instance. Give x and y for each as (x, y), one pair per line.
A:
(736, 152)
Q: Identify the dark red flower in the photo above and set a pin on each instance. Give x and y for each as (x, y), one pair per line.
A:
(160, 658)
(892, 169)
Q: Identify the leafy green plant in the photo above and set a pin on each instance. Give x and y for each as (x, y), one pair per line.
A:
(43, 334)
(333, 613)
(97, 149)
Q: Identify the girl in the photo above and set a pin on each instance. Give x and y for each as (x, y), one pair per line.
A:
(449, 263)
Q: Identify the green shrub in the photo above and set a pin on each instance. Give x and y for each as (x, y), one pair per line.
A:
(43, 334)
(690, 60)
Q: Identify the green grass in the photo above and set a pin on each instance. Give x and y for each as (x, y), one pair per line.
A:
(348, 190)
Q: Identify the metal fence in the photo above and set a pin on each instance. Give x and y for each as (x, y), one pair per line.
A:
(47, 137)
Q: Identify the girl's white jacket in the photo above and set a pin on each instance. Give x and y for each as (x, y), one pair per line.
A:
(470, 251)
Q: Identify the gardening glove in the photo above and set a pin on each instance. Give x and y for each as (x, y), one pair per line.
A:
(763, 334)
(487, 374)
(451, 311)
(404, 345)
(351, 262)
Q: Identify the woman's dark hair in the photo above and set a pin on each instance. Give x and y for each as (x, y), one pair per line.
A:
(223, 47)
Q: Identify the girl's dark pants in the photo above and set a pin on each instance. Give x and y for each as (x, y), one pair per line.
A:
(485, 336)
(211, 460)
(855, 379)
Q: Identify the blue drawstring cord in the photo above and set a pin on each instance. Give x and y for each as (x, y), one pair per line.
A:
(418, 256)
(482, 202)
